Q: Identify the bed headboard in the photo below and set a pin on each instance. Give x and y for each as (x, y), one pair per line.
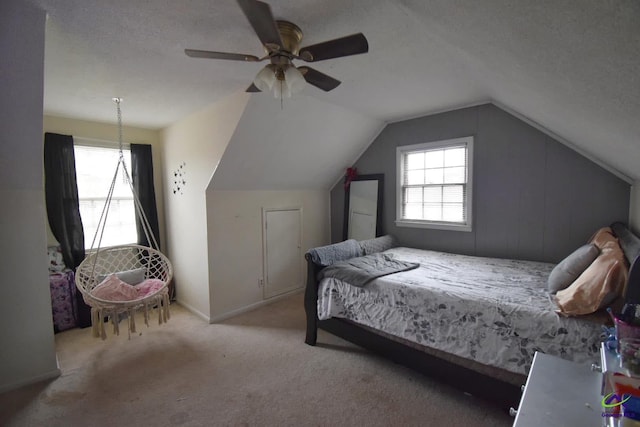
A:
(630, 244)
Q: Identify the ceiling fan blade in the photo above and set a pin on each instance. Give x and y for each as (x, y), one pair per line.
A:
(252, 89)
(318, 79)
(344, 46)
(220, 55)
(261, 19)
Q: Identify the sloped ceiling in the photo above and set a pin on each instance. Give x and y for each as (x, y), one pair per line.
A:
(570, 66)
(305, 145)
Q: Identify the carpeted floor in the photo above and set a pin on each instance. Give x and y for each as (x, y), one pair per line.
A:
(251, 370)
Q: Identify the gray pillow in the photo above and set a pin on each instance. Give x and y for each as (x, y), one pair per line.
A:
(327, 255)
(570, 268)
(130, 277)
(379, 244)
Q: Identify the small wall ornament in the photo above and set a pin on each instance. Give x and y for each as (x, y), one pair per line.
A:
(179, 179)
(349, 176)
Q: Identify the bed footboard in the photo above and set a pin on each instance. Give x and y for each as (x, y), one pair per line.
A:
(326, 255)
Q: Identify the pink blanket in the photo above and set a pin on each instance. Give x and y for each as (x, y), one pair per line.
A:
(114, 289)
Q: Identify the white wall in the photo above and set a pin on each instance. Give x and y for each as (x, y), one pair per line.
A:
(278, 157)
(26, 328)
(306, 144)
(235, 241)
(109, 132)
(197, 142)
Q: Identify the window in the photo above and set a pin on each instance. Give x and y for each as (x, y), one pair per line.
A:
(95, 166)
(434, 184)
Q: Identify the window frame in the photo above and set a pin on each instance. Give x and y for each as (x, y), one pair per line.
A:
(401, 151)
(110, 145)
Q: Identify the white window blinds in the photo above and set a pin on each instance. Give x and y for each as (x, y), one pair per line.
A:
(95, 167)
(434, 182)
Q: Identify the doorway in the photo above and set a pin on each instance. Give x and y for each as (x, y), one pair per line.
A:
(282, 250)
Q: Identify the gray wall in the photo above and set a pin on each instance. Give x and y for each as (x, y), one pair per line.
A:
(533, 198)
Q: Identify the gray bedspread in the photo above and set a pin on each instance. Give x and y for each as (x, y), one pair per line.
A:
(362, 270)
(493, 311)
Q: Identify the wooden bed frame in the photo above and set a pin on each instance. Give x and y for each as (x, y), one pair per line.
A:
(468, 380)
(503, 392)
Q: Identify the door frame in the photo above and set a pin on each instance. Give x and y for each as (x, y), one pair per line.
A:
(265, 272)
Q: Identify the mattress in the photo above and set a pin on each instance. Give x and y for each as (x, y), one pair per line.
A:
(493, 311)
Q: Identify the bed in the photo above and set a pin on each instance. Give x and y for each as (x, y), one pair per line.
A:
(472, 321)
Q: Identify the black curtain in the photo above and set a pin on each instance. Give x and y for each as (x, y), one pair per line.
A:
(142, 177)
(61, 192)
(63, 208)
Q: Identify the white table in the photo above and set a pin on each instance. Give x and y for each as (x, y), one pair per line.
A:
(560, 393)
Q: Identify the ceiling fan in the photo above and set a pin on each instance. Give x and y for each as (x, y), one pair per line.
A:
(281, 41)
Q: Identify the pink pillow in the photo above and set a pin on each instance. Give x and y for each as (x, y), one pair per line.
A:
(604, 238)
(114, 289)
(598, 286)
(148, 287)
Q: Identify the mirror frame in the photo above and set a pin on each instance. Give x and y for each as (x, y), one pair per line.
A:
(370, 177)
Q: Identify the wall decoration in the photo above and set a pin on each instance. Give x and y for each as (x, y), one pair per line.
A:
(349, 176)
(179, 179)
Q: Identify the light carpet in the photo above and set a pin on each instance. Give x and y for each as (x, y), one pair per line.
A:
(251, 370)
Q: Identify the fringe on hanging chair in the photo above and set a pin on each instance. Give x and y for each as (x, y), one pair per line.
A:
(165, 304)
(162, 305)
(146, 314)
(97, 324)
(159, 302)
(132, 320)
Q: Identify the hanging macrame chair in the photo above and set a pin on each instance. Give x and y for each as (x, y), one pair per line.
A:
(118, 281)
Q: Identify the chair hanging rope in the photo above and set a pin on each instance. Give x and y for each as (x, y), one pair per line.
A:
(146, 227)
(117, 281)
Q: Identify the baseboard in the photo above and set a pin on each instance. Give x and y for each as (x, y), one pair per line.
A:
(38, 378)
(254, 306)
(193, 310)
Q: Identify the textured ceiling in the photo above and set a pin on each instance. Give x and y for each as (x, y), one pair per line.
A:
(570, 66)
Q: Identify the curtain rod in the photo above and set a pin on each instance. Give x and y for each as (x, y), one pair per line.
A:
(95, 142)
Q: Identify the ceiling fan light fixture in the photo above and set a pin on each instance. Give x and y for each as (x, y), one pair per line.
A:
(281, 41)
(265, 78)
(281, 90)
(283, 79)
(294, 79)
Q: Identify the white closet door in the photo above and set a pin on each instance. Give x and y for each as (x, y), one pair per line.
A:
(282, 245)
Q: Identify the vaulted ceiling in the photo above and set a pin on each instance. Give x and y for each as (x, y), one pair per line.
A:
(572, 67)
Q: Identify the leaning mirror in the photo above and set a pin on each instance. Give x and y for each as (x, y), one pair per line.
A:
(363, 207)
